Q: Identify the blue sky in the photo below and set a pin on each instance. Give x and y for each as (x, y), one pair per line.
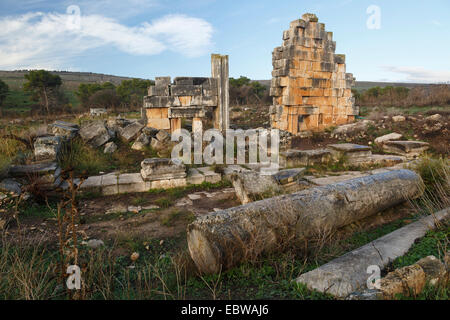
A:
(148, 38)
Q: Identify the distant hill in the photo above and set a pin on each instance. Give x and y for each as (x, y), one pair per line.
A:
(364, 85)
(71, 80)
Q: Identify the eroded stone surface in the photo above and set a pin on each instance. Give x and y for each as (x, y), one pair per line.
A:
(162, 169)
(348, 273)
(95, 133)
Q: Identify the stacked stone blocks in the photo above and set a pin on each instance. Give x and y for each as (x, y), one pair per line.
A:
(310, 87)
(190, 97)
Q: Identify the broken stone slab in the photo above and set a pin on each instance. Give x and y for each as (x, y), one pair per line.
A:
(378, 159)
(110, 147)
(96, 134)
(286, 176)
(210, 175)
(39, 169)
(348, 273)
(251, 186)
(352, 128)
(163, 136)
(131, 183)
(64, 129)
(47, 148)
(131, 131)
(93, 183)
(323, 181)
(388, 137)
(405, 281)
(233, 168)
(162, 169)
(141, 142)
(299, 158)
(11, 186)
(220, 241)
(410, 149)
(349, 150)
(195, 177)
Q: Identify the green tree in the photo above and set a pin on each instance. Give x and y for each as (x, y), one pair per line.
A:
(43, 85)
(87, 90)
(241, 81)
(105, 98)
(131, 92)
(4, 89)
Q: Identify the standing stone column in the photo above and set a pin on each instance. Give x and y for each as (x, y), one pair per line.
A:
(220, 71)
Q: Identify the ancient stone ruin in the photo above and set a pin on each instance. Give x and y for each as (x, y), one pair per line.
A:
(310, 87)
(198, 99)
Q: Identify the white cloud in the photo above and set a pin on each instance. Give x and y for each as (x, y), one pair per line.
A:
(420, 74)
(50, 39)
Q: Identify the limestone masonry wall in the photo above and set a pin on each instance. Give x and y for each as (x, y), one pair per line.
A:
(189, 97)
(310, 87)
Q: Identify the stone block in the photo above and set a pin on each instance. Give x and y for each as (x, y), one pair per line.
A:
(187, 112)
(299, 158)
(162, 169)
(110, 184)
(47, 148)
(131, 131)
(210, 176)
(162, 81)
(195, 177)
(64, 129)
(131, 183)
(96, 134)
(186, 90)
(168, 183)
(158, 91)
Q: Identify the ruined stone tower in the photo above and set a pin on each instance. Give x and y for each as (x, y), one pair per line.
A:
(310, 88)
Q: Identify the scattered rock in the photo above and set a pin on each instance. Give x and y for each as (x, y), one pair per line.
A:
(157, 145)
(398, 118)
(64, 129)
(94, 243)
(194, 196)
(151, 207)
(11, 186)
(47, 148)
(388, 137)
(404, 281)
(352, 128)
(184, 202)
(141, 142)
(134, 209)
(434, 269)
(95, 133)
(163, 136)
(110, 147)
(435, 117)
(131, 131)
(410, 149)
